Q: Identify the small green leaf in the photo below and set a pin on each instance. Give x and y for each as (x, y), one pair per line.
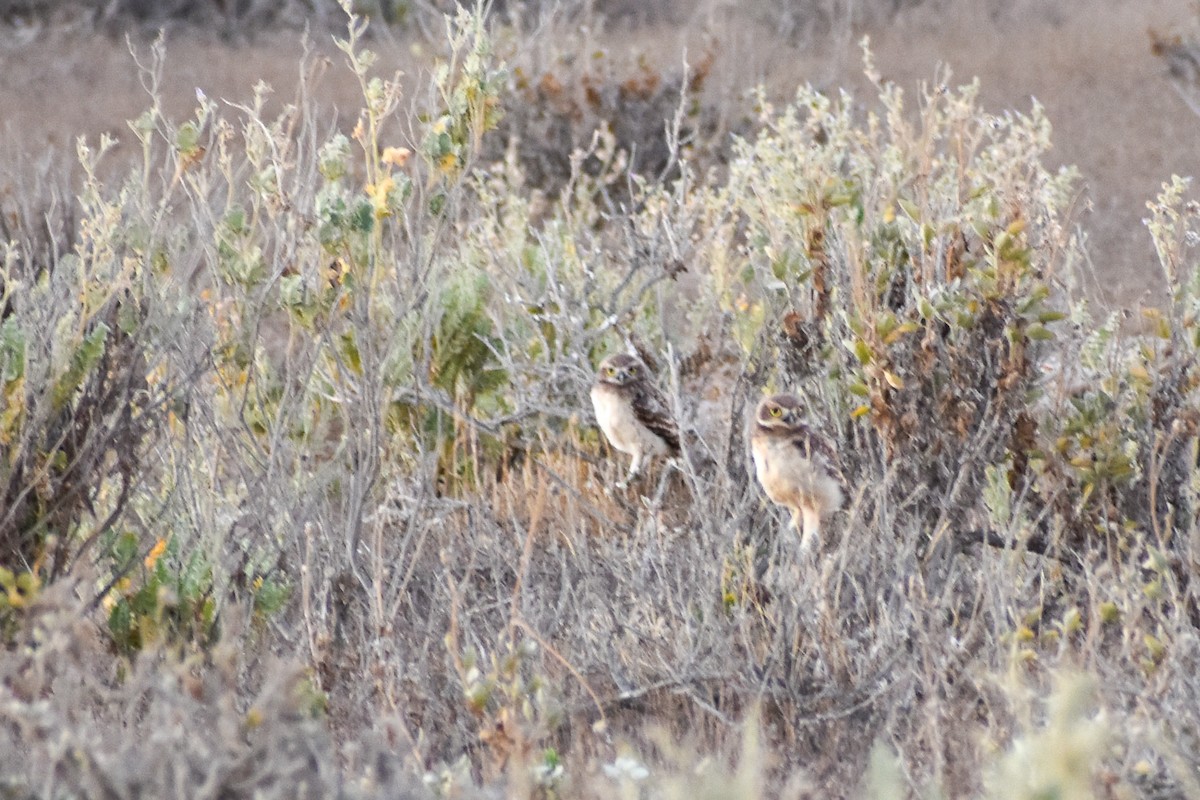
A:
(291, 290)
(127, 318)
(12, 350)
(270, 597)
(235, 220)
(902, 330)
(93, 347)
(362, 219)
(187, 138)
(351, 353)
(120, 623)
(885, 324)
(1154, 646)
(125, 549)
(1039, 333)
(196, 577)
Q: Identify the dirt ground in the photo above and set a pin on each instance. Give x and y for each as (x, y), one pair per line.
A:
(1117, 117)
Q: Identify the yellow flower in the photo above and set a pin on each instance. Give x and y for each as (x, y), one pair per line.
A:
(155, 553)
(378, 192)
(157, 375)
(396, 156)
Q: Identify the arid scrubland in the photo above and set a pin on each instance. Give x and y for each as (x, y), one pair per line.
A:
(301, 494)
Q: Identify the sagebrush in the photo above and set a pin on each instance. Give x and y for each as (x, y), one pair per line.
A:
(302, 493)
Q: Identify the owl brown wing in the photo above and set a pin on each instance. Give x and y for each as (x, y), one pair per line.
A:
(817, 448)
(652, 410)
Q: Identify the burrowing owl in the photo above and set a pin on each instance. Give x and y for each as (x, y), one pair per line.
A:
(796, 466)
(632, 412)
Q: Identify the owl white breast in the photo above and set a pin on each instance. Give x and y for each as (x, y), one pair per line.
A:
(791, 479)
(615, 413)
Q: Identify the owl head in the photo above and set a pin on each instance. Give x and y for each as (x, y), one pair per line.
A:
(621, 369)
(779, 412)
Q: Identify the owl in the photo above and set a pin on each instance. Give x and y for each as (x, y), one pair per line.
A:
(796, 466)
(632, 412)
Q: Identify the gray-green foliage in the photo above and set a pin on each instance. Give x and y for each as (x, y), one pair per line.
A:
(355, 366)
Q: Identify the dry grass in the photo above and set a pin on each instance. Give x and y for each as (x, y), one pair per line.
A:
(1087, 61)
(371, 543)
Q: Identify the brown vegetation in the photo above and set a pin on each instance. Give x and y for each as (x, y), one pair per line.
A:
(302, 495)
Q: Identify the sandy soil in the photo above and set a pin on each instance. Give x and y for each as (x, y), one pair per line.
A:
(1088, 62)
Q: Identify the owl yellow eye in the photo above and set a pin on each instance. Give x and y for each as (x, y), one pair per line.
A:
(610, 371)
(633, 369)
(776, 411)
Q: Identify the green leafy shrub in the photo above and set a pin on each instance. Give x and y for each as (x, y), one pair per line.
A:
(159, 600)
(77, 413)
(915, 271)
(358, 375)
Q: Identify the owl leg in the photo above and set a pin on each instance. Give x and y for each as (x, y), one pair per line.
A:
(810, 527)
(635, 467)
